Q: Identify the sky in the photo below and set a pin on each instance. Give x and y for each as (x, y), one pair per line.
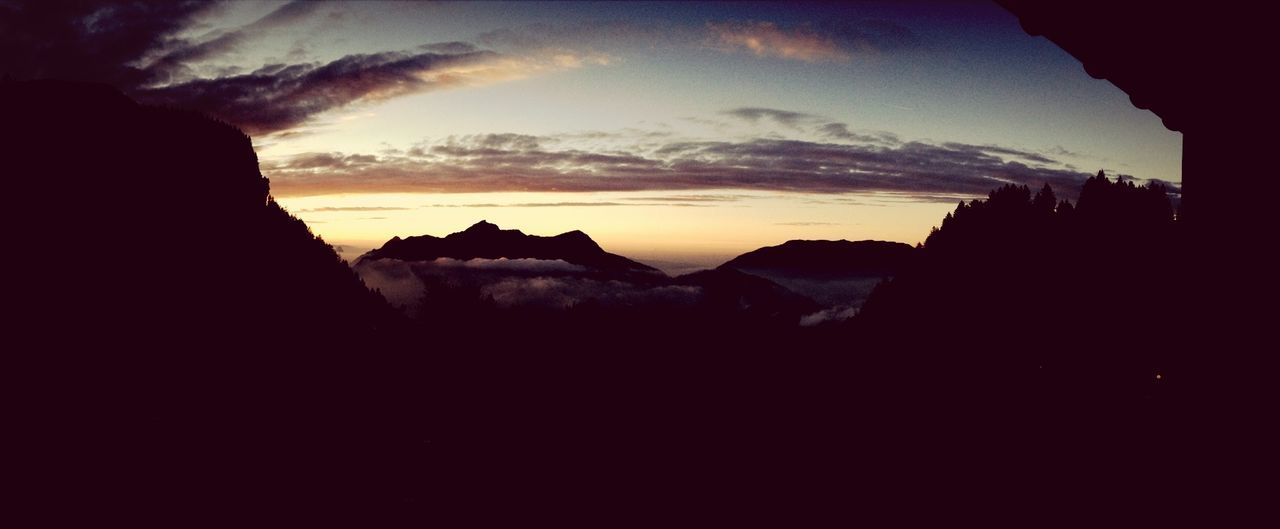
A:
(679, 134)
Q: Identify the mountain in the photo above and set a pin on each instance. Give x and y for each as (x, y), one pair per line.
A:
(826, 258)
(838, 274)
(485, 240)
(485, 268)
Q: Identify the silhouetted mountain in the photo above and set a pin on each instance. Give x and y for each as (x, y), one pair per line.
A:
(817, 259)
(837, 274)
(484, 240)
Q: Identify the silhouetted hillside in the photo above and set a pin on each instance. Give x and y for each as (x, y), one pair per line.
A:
(1066, 299)
(826, 258)
(158, 221)
(838, 274)
(169, 307)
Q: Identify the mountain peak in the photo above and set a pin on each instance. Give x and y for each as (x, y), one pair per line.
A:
(483, 226)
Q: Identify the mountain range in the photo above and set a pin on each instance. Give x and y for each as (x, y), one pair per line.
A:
(512, 269)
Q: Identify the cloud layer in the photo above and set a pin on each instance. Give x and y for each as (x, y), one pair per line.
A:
(515, 283)
(822, 162)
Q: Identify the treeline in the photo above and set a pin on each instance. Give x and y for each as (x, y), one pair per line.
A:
(1026, 289)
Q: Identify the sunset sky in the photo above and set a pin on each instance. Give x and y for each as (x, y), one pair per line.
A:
(677, 133)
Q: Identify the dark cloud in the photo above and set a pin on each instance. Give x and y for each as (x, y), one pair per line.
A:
(840, 131)
(803, 121)
(782, 117)
(498, 141)
(326, 160)
(137, 46)
(914, 170)
(278, 99)
(172, 64)
(90, 41)
(994, 149)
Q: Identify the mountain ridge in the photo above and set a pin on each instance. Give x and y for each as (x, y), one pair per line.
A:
(485, 240)
(866, 258)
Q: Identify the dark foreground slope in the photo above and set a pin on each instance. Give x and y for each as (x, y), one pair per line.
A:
(1078, 299)
(177, 335)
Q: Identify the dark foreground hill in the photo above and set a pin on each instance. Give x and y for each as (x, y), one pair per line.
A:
(178, 337)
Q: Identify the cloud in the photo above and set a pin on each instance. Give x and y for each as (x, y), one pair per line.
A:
(782, 117)
(138, 47)
(689, 198)
(349, 208)
(913, 170)
(173, 62)
(813, 123)
(806, 224)
(766, 39)
(995, 149)
(840, 131)
(823, 42)
(275, 99)
(509, 283)
(566, 204)
(394, 279)
(91, 41)
(526, 265)
(828, 315)
(566, 292)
